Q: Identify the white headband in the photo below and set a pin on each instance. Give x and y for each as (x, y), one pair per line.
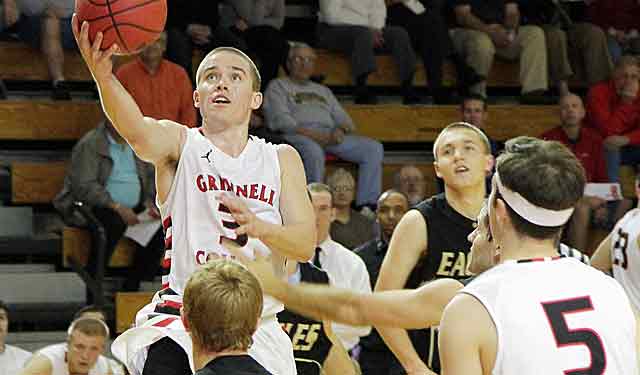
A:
(530, 212)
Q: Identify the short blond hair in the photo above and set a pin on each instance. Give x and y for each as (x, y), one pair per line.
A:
(89, 326)
(222, 305)
(338, 175)
(462, 125)
(255, 73)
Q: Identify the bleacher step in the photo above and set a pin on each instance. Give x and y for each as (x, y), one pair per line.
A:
(26, 268)
(42, 288)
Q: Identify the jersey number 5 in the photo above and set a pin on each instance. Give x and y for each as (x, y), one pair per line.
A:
(582, 336)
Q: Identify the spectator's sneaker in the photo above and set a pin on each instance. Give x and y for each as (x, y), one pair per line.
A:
(3, 91)
(60, 91)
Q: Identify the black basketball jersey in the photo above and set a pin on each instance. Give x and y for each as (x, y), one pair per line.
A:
(447, 257)
(233, 365)
(311, 345)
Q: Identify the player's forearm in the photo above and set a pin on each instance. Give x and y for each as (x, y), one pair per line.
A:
(399, 343)
(122, 110)
(322, 302)
(293, 241)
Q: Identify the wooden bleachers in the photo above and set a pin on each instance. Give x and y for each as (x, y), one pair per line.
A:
(76, 243)
(334, 66)
(36, 182)
(69, 120)
(127, 305)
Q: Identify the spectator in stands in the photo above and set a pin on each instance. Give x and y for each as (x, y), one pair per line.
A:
(582, 44)
(619, 18)
(346, 269)
(357, 29)
(194, 24)
(613, 108)
(107, 176)
(8, 17)
(12, 358)
(161, 88)
(410, 181)
(350, 228)
(430, 38)
(47, 25)
(81, 354)
(486, 28)
(258, 23)
(375, 357)
(221, 311)
(475, 111)
(314, 122)
(586, 144)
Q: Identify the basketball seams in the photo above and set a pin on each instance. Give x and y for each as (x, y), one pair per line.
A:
(115, 26)
(93, 2)
(118, 12)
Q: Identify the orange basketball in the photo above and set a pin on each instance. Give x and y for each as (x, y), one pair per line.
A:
(132, 24)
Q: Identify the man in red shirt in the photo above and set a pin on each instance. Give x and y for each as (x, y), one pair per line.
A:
(586, 144)
(613, 108)
(161, 88)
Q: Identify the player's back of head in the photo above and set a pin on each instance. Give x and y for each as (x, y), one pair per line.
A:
(540, 182)
(222, 305)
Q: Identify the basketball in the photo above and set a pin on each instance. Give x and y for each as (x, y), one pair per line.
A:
(132, 24)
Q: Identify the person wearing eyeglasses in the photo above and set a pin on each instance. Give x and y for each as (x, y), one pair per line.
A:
(314, 123)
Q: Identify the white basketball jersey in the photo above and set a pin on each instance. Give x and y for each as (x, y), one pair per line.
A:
(195, 222)
(625, 254)
(557, 316)
(57, 354)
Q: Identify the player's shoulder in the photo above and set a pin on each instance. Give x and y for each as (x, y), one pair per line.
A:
(287, 154)
(631, 216)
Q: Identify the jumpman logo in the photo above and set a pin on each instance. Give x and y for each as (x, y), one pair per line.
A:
(206, 156)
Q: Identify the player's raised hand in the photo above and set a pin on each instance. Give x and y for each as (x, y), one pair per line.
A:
(261, 266)
(248, 222)
(98, 61)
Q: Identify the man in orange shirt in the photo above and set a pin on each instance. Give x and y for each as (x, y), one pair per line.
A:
(161, 88)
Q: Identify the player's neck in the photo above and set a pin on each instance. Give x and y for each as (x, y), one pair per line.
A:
(467, 202)
(230, 139)
(518, 247)
(202, 358)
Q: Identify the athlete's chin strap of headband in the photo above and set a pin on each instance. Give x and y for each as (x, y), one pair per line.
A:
(534, 214)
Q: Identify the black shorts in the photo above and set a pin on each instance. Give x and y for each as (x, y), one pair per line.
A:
(166, 357)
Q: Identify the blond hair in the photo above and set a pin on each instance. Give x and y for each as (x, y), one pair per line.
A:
(89, 326)
(222, 305)
(255, 73)
(338, 175)
(462, 125)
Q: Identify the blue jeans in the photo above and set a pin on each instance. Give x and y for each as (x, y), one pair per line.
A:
(628, 155)
(365, 152)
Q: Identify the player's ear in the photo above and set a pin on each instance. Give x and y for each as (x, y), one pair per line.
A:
(256, 100)
(196, 99)
(490, 163)
(185, 322)
(437, 169)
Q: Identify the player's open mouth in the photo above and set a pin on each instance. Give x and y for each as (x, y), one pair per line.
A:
(220, 99)
(461, 169)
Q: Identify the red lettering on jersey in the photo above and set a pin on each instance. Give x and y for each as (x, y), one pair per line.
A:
(226, 185)
(263, 198)
(212, 183)
(200, 183)
(271, 195)
(242, 190)
(200, 257)
(254, 191)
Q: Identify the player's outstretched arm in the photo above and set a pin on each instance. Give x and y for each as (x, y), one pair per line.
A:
(408, 244)
(407, 308)
(467, 346)
(601, 259)
(37, 365)
(152, 140)
(338, 361)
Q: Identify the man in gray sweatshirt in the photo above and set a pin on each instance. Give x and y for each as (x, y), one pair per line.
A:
(313, 121)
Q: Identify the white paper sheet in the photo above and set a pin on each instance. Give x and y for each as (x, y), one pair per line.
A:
(144, 230)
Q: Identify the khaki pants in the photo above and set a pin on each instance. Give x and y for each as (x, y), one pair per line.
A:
(529, 46)
(584, 47)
